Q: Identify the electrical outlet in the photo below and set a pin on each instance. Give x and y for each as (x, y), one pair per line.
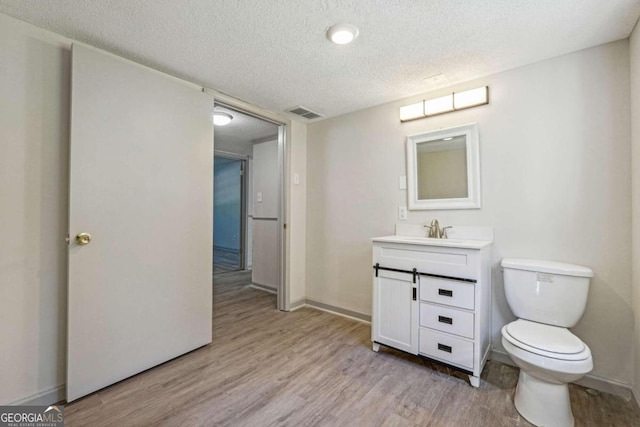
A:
(259, 197)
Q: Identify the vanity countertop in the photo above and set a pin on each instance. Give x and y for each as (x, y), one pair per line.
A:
(427, 241)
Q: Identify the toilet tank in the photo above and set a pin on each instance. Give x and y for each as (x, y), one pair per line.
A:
(547, 292)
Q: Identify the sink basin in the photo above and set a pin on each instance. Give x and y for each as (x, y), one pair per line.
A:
(430, 241)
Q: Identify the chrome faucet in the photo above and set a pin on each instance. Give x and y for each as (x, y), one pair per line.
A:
(435, 231)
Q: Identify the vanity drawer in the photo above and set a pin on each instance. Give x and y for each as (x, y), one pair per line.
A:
(445, 319)
(455, 293)
(442, 261)
(446, 347)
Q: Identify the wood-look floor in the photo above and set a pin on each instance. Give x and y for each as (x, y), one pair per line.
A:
(225, 260)
(311, 368)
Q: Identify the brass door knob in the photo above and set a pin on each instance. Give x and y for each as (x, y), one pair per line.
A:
(83, 239)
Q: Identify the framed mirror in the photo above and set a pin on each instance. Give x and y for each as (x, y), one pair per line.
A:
(443, 169)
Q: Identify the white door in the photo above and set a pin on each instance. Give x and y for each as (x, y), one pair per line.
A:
(141, 184)
(395, 310)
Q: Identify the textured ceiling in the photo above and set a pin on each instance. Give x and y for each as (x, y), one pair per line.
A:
(238, 136)
(274, 54)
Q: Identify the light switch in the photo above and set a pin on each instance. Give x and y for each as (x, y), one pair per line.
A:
(296, 179)
(402, 182)
(259, 197)
(402, 213)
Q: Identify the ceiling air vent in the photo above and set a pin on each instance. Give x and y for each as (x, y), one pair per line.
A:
(304, 112)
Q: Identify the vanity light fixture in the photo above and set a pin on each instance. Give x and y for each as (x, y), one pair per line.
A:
(221, 118)
(342, 33)
(445, 104)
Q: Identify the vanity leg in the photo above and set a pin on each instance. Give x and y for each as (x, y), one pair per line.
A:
(376, 347)
(475, 381)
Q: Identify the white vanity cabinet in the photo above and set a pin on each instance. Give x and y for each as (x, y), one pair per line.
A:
(432, 297)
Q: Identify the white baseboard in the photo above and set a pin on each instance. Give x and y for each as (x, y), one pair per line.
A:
(297, 304)
(595, 382)
(354, 315)
(265, 288)
(45, 397)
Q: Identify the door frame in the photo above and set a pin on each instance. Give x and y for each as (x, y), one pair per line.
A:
(243, 201)
(283, 135)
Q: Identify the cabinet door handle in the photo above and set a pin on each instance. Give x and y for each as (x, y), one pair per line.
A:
(447, 320)
(415, 294)
(445, 292)
(443, 347)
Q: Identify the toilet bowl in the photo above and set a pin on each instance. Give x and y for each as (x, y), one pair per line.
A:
(548, 297)
(542, 393)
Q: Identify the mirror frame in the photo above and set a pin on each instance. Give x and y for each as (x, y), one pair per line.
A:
(473, 200)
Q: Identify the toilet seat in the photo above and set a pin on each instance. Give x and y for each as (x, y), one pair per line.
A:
(545, 340)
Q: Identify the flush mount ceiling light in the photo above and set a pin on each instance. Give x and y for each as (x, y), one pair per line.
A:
(221, 118)
(445, 104)
(342, 33)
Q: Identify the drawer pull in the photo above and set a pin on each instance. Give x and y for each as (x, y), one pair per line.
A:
(444, 319)
(445, 292)
(443, 347)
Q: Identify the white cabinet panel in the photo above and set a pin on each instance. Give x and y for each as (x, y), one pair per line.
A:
(395, 322)
(445, 319)
(442, 261)
(455, 293)
(446, 347)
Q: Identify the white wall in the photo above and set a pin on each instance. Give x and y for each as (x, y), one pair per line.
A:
(266, 179)
(297, 213)
(34, 149)
(555, 181)
(634, 51)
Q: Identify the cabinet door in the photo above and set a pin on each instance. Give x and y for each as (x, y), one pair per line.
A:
(395, 311)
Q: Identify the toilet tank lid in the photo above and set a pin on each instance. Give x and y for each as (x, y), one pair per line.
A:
(547, 267)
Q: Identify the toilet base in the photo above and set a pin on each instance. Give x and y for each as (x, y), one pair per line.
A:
(543, 403)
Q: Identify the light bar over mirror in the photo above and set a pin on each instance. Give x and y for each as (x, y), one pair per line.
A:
(445, 104)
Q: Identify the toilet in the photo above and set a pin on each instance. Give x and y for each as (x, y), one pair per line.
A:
(547, 297)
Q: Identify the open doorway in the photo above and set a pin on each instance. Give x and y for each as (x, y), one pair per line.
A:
(248, 199)
(229, 211)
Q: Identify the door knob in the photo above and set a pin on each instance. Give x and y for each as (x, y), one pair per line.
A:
(83, 239)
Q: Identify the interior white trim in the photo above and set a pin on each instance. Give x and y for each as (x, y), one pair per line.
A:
(474, 188)
(284, 136)
(245, 107)
(264, 288)
(297, 304)
(354, 315)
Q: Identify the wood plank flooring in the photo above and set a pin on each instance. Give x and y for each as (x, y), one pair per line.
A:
(225, 260)
(311, 368)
